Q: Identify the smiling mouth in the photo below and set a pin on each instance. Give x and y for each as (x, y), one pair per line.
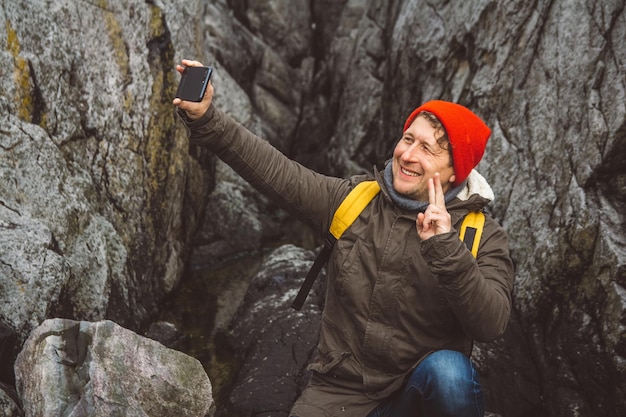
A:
(409, 173)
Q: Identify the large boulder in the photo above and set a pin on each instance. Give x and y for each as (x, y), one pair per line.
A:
(273, 342)
(71, 368)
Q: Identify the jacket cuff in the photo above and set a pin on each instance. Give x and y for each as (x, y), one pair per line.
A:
(439, 247)
(447, 257)
(202, 130)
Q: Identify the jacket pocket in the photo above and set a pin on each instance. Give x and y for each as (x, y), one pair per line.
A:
(349, 261)
(328, 361)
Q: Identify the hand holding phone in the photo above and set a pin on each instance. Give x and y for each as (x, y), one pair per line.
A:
(204, 97)
(193, 83)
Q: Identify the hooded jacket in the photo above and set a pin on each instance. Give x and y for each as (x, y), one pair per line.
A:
(391, 299)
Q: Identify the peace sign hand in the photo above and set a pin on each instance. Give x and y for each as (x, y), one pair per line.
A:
(436, 219)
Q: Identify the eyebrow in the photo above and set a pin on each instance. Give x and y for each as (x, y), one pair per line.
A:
(432, 142)
(433, 145)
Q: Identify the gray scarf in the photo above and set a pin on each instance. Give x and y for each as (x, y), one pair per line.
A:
(409, 204)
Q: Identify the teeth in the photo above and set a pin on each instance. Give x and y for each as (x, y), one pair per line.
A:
(410, 173)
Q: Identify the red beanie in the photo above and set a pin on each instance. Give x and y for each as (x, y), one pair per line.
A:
(468, 134)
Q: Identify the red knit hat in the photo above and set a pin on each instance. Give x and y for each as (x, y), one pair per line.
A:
(468, 134)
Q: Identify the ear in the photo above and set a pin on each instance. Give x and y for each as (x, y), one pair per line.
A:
(452, 178)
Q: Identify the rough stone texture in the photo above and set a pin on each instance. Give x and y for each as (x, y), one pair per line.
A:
(276, 341)
(70, 368)
(548, 78)
(237, 220)
(99, 198)
(99, 195)
(9, 400)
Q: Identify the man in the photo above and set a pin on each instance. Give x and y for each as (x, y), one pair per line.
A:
(405, 298)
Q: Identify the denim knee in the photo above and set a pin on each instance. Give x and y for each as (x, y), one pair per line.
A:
(449, 385)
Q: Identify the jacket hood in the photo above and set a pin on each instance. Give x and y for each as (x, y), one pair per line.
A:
(476, 184)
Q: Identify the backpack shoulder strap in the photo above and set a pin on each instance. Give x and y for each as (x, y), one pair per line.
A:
(472, 230)
(344, 216)
(352, 206)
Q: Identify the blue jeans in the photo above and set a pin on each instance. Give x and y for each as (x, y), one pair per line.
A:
(445, 383)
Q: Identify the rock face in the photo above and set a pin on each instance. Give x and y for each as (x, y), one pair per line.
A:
(276, 341)
(101, 196)
(70, 368)
(8, 403)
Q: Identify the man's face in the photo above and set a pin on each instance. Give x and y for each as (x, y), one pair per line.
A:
(416, 158)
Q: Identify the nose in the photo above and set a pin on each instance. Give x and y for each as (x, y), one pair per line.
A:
(411, 153)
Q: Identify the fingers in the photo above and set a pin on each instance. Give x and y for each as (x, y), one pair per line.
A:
(187, 63)
(435, 219)
(419, 224)
(439, 197)
(189, 105)
(432, 195)
(191, 63)
(424, 225)
(435, 191)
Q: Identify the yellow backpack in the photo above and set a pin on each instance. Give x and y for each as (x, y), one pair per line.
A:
(350, 208)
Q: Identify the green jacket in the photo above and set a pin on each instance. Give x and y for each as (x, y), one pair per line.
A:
(390, 299)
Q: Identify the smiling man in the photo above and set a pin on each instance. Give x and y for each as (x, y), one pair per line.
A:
(405, 298)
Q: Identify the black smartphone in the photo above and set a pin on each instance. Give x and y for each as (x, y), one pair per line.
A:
(193, 83)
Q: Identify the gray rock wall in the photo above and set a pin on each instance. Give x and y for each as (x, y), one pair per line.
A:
(100, 195)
